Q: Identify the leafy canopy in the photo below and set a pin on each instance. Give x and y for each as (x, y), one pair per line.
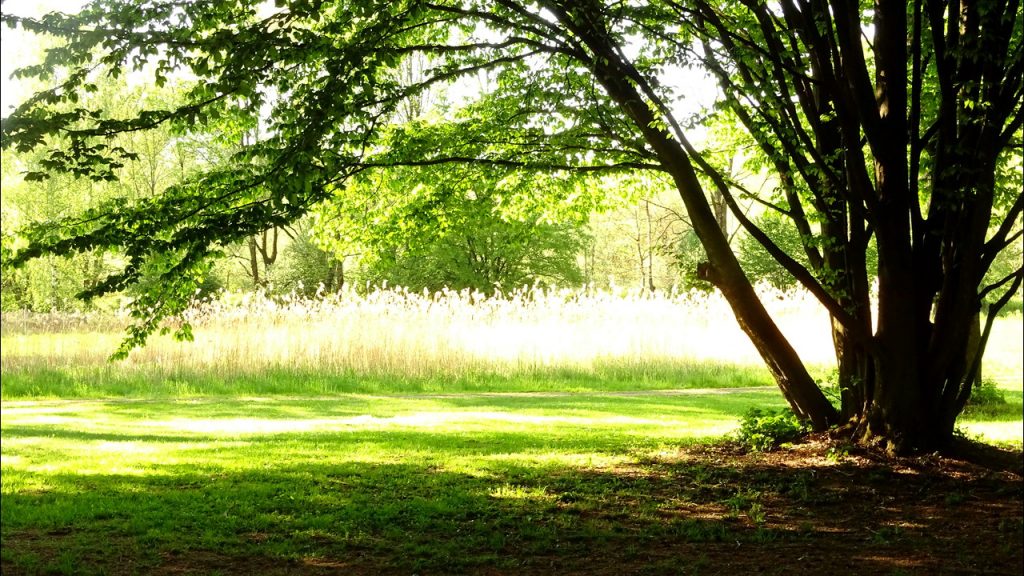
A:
(322, 81)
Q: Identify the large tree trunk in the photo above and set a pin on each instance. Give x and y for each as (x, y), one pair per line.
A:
(905, 380)
(722, 269)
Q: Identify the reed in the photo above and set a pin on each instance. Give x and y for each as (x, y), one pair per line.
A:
(455, 340)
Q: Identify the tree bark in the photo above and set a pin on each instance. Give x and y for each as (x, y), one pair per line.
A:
(723, 270)
(254, 263)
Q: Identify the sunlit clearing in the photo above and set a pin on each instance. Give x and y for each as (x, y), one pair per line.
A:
(394, 334)
(999, 432)
(393, 331)
(448, 420)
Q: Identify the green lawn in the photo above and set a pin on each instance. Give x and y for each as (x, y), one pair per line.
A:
(304, 478)
(446, 483)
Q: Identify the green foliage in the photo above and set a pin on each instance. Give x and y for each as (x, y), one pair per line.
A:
(985, 395)
(765, 430)
(1014, 307)
(689, 255)
(760, 266)
(53, 280)
(306, 268)
(322, 129)
(460, 227)
(634, 235)
(756, 261)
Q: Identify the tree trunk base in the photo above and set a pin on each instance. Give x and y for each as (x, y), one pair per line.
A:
(959, 448)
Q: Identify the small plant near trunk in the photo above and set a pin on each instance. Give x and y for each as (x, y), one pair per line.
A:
(765, 430)
(986, 394)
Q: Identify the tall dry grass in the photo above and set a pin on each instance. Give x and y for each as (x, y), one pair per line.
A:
(447, 334)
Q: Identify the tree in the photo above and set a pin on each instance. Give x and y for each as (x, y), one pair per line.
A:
(900, 140)
(887, 121)
(50, 283)
(459, 227)
(761, 267)
(307, 268)
(633, 233)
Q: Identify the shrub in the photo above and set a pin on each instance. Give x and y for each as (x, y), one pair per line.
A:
(986, 394)
(765, 430)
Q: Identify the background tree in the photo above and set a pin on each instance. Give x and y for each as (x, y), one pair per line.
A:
(633, 235)
(485, 229)
(897, 139)
(52, 282)
(308, 269)
(759, 264)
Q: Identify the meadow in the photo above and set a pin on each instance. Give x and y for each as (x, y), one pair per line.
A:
(397, 433)
(393, 341)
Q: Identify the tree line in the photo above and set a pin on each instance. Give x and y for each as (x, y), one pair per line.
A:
(462, 227)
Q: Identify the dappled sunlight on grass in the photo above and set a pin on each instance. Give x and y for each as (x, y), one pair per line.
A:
(471, 435)
(452, 421)
(514, 492)
(222, 449)
(1009, 433)
(417, 480)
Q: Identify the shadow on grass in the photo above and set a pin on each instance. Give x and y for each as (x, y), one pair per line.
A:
(287, 507)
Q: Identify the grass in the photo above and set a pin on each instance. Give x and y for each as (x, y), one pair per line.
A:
(449, 337)
(368, 484)
(999, 424)
(441, 483)
(400, 433)
(396, 342)
(109, 381)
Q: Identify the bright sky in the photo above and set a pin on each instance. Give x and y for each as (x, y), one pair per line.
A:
(18, 48)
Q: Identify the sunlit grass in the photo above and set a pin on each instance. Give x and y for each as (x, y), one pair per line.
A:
(301, 478)
(416, 336)
(1004, 356)
(396, 342)
(381, 430)
(1001, 423)
(436, 484)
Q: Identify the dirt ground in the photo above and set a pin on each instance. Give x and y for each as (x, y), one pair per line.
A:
(863, 513)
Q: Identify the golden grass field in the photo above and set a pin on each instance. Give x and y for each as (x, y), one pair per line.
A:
(448, 333)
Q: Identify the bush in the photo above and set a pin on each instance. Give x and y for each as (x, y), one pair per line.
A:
(986, 394)
(766, 430)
